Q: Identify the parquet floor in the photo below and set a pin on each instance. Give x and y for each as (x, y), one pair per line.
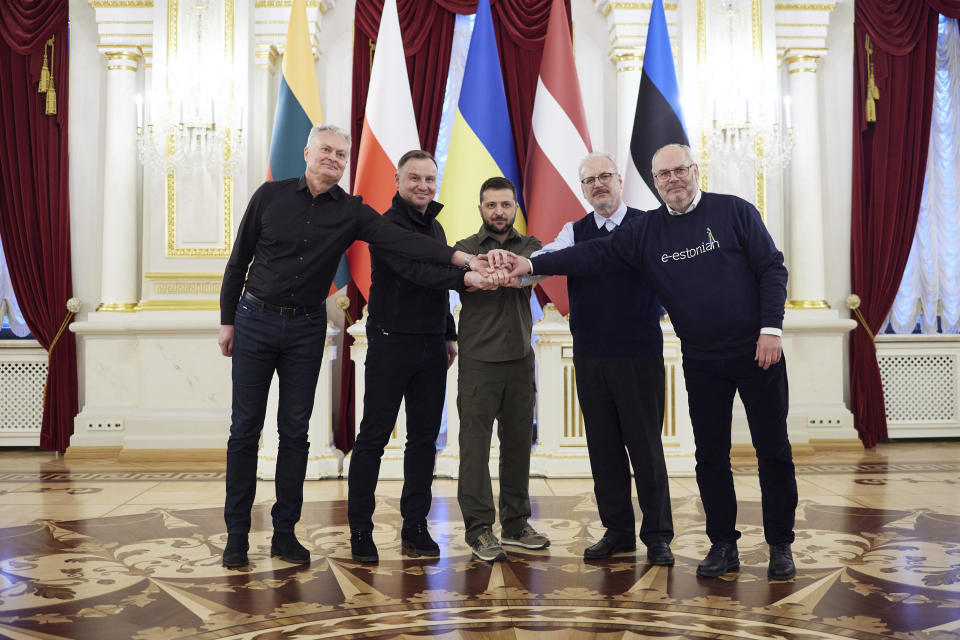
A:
(105, 550)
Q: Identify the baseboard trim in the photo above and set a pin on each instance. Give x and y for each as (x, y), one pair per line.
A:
(208, 456)
(837, 444)
(92, 453)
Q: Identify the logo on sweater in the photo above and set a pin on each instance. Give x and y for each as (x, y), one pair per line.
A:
(709, 244)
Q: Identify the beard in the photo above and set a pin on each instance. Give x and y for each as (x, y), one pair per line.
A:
(492, 227)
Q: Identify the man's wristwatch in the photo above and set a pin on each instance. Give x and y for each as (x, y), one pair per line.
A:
(466, 264)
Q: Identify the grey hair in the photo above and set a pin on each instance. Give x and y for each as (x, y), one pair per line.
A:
(598, 154)
(691, 155)
(320, 128)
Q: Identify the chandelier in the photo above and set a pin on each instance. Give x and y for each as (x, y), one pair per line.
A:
(751, 145)
(735, 82)
(194, 125)
(192, 142)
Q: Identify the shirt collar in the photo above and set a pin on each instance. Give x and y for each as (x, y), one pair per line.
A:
(483, 234)
(616, 218)
(693, 205)
(334, 192)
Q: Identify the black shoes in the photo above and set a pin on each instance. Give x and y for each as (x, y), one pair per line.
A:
(362, 547)
(610, 544)
(781, 565)
(235, 553)
(415, 540)
(722, 558)
(286, 545)
(659, 553)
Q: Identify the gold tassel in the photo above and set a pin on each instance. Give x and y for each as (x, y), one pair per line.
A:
(51, 106)
(51, 109)
(873, 92)
(44, 73)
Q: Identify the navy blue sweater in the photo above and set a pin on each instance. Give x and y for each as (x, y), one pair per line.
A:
(715, 269)
(616, 314)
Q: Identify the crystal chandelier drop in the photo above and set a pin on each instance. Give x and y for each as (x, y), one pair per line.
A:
(735, 138)
(194, 125)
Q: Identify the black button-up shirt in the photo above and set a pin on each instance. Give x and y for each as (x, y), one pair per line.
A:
(295, 241)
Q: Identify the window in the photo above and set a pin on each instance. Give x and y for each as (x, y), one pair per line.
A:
(12, 324)
(928, 301)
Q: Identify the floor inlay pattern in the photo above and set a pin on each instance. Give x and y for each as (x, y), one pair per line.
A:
(863, 573)
(882, 467)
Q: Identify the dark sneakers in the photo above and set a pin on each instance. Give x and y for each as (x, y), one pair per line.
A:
(781, 565)
(659, 553)
(722, 558)
(362, 547)
(286, 545)
(609, 545)
(416, 541)
(235, 553)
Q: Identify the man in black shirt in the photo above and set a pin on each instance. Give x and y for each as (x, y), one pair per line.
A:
(294, 231)
(412, 343)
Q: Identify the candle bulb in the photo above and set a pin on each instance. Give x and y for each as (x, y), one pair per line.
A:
(240, 124)
(181, 112)
(139, 100)
(213, 113)
(748, 112)
(786, 111)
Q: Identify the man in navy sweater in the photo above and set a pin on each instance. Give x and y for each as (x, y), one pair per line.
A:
(620, 378)
(718, 273)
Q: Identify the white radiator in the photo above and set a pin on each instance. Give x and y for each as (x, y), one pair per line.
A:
(921, 385)
(23, 373)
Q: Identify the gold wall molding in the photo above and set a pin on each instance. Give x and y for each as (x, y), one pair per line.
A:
(121, 67)
(132, 56)
(121, 4)
(802, 58)
(186, 288)
(806, 304)
(116, 307)
(286, 4)
(804, 7)
(183, 275)
(636, 6)
(177, 305)
(170, 192)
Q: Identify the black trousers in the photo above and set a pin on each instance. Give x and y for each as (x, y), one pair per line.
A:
(622, 403)
(265, 342)
(710, 388)
(398, 367)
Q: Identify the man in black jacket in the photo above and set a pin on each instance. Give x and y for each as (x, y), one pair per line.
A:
(412, 341)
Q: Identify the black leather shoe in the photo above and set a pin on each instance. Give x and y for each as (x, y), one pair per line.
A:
(286, 545)
(416, 540)
(722, 558)
(235, 553)
(608, 545)
(659, 553)
(362, 547)
(781, 565)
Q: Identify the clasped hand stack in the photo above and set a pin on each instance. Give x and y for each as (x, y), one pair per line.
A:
(498, 268)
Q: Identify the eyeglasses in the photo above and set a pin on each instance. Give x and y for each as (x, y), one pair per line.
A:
(602, 177)
(681, 172)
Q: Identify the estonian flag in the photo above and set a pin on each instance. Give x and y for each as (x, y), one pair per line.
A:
(658, 120)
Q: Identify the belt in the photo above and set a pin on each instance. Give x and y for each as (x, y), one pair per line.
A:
(284, 311)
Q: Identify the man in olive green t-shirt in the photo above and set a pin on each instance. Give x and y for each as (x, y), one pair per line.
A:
(496, 382)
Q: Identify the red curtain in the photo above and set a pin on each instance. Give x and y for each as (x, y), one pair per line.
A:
(889, 161)
(34, 196)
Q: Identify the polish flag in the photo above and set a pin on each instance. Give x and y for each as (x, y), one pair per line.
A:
(389, 131)
(558, 143)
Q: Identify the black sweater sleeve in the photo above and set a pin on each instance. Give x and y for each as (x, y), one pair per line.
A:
(615, 253)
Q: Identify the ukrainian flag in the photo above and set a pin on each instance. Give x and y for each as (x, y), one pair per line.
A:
(481, 142)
